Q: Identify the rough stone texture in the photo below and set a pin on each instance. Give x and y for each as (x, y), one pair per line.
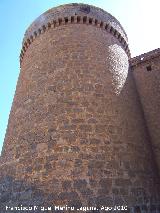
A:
(77, 134)
(146, 70)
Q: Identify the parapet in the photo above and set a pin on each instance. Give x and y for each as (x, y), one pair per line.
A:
(75, 13)
(144, 57)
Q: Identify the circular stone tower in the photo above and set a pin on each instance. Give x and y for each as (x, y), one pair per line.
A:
(76, 134)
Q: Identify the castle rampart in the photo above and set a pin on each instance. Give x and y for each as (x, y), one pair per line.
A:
(69, 14)
(146, 68)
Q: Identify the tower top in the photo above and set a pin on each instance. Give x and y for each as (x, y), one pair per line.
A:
(75, 13)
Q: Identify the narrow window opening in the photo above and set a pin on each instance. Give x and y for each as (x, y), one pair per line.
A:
(84, 19)
(111, 30)
(49, 25)
(101, 24)
(54, 23)
(39, 30)
(78, 19)
(60, 21)
(66, 20)
(106, 27)
(28, 41)
(72, 19)
(44, 27)
(24, 49)
(25, 44)
(90, 20)
(115, 32)
(149, 68)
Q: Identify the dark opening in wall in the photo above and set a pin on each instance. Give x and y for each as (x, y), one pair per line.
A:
(39, 30)
(115, 32)
(101, 24)
(96, 21)
(54, 23)
(84, 19)
(60, 21)
(44, 27)
(106, 26)
(111, 30)
(66, 20)
(149, 68)
(72, 19)
(90, 20)
(28, 41)
(78, 19)
(49, 25)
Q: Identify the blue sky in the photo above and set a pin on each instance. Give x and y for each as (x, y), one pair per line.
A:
(140, 19)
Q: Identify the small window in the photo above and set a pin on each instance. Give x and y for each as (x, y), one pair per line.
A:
(149, 68)
(60, 21)
(101, 24)
(49, 25)
(111, 29)
(90, 20)
(84, 19)
(78, 19)
(96, 21)
(39, 30)
(66, 20)
(72, 19)
(106, 26)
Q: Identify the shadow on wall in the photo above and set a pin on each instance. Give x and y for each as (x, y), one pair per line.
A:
(19, 196)
(15, 193)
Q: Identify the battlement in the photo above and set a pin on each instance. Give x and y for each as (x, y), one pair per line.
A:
(74, 14)
(145, 57)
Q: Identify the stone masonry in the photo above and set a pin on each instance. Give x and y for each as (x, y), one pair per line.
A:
(84, 128)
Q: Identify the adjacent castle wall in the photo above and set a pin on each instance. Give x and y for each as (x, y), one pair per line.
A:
(146, 71)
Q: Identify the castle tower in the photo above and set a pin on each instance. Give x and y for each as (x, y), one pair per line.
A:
(76, 134)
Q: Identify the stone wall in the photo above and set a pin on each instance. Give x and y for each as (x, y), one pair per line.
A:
(146, 70)
(76, 131)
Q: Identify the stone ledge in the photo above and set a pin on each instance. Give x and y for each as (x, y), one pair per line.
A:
(75, 20)
(71, 14)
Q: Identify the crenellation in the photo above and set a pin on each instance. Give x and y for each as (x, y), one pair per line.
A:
(31, 38)
(79, 20)
(144, 57)
(28, 41)
(48, 25)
